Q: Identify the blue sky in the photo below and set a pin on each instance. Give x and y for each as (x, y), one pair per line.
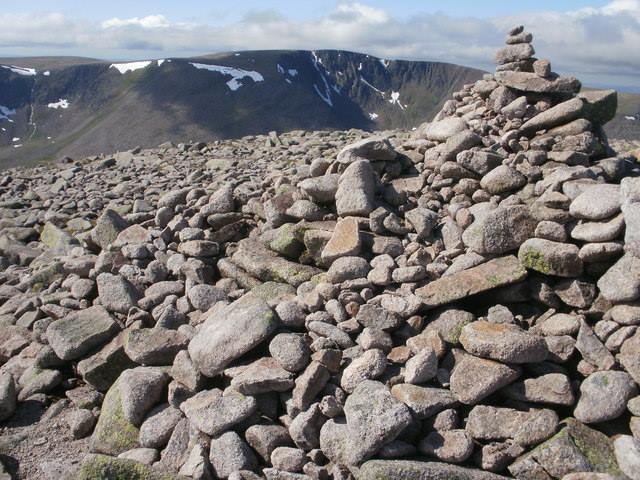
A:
(595, 40)
(220, 11)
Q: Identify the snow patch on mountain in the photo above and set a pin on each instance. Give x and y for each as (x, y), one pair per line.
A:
(373, 116)
(6, 112)
(629, 117)
(62, 103)
(326, 95)
(29, 72)
(236, 73)
(363, 80)
(291, 72)
(131, 66)
(47, 73)
(395, 100)
(160, 62)
(316, 59)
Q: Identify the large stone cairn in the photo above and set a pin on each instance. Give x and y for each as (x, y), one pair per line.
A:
(461, 303)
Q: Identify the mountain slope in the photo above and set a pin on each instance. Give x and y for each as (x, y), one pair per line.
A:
(626, 124)
(51, 107)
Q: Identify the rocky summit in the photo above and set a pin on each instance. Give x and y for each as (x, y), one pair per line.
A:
(458, 302)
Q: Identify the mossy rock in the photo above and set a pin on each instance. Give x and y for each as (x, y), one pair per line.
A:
(320, 278)
(292, 273)
(219, 163)
(315, 241)
(453, 335)
(79, 225)
(57, 239)
(103, 467)
(46, 276)
(54, 297)
(576, 448)
(270, 291)
(535, 260)
(417, 470)
(595, 446)
(284, 189)
(287, 241)
(113, 433)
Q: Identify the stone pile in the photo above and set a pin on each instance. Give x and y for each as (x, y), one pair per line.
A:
(461, 303)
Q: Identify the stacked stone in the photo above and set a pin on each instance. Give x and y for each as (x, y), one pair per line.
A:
(463, 303)
(517, 56)
(517, 67)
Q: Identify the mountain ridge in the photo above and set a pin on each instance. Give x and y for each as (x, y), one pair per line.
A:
(173, 100)
(52, 107)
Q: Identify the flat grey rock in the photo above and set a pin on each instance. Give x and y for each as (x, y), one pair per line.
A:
(416, 470)
(227, 335)
(604, 396)
(503, 342)
(78, 333)
(213, 412)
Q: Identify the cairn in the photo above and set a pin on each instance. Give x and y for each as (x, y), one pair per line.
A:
(460, 303)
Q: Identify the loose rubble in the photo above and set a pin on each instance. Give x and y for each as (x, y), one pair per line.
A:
(458, 302)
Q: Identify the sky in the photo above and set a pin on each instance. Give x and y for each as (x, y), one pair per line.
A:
(598, 41)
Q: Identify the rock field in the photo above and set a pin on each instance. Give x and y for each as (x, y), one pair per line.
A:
(460, 302)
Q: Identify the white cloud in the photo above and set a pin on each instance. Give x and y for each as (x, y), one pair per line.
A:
(622, 6)
(600, 45)
(351, 12)
(150, 21)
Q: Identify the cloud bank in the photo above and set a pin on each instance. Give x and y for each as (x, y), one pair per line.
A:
(600, 45)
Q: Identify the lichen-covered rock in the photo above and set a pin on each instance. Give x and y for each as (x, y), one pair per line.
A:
(114, 434)
(576, 448)
(97, 467)
(267, 265)
(57, 239)
(487, 276)
(551, 258)
(604, 396)
(416, 470)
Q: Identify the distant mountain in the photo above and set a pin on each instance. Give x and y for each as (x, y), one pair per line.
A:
(626, 124)
(65, 106)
